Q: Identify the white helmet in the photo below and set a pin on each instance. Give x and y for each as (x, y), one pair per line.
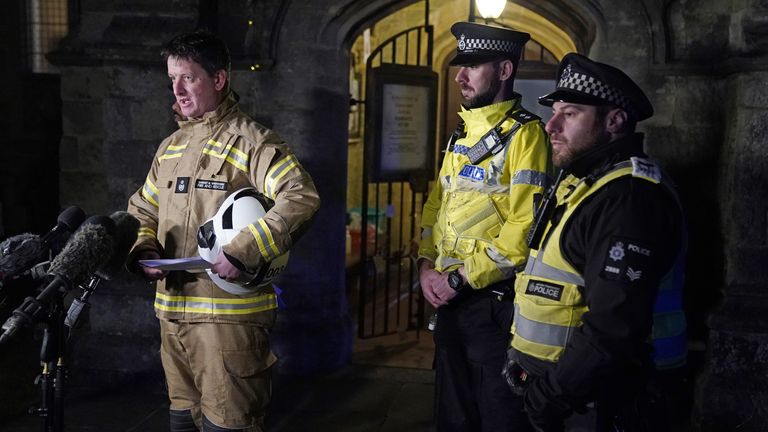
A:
(241, 208)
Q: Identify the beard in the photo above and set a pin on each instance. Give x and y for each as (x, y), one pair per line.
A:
(485, 98)
(596, 139)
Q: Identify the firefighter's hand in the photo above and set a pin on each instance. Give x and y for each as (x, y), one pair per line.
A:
(150, 273)
(428, 278)
(225, 269)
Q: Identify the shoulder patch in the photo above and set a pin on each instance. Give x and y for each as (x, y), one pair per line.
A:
(524, 116)
(646, 169)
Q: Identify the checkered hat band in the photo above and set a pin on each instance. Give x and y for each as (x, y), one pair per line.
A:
(489, 45)
(592, 86)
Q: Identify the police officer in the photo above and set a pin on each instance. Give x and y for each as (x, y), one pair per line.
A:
(607, 239)
(474, 225)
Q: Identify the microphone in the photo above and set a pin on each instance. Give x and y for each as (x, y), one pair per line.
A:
(18, 254)
(89, 249)
(126, 232)
(67, 222)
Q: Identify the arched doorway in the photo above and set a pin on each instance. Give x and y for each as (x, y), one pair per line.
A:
(390, 317)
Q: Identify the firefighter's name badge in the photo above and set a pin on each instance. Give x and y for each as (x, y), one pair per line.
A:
(211, 185)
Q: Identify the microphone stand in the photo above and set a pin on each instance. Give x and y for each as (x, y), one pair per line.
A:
(47, 308)
(53, 375)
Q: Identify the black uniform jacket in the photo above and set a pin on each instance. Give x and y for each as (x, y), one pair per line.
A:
(608, 354)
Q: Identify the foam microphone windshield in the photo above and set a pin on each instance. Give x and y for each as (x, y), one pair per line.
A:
(66, 224)
(19, 253)
(90, 247)
(126, 232)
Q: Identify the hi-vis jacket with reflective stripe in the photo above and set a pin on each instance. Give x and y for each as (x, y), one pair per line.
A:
(478, 215)
(553, 300)
(193, 171)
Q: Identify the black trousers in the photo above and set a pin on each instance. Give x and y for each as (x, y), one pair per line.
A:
(471, 338)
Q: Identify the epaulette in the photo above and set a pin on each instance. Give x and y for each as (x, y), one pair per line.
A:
(523, 116)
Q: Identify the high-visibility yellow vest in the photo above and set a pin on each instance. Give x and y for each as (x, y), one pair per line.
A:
(544, 322)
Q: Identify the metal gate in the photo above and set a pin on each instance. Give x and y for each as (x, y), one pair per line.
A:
(389, 299)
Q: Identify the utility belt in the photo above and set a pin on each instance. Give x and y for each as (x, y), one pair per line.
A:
(504, 290)
(501, 291)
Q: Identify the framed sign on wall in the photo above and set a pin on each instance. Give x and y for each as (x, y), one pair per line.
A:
(400, 134)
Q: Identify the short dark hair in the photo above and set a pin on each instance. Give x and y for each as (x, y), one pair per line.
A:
(201, 47)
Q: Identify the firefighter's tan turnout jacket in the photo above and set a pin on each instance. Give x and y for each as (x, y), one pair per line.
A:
(192, 173)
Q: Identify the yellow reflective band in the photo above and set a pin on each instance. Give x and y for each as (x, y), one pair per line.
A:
(150, 192)
(278, 171)
(147, 232)
(215, 306)
(173, 151)
(274, 252)
(260, 237)
(230, 154)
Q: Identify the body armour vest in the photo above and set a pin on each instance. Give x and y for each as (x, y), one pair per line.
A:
(543, 323)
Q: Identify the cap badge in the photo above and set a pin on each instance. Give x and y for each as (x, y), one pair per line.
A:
(566, 76)
(462, 43)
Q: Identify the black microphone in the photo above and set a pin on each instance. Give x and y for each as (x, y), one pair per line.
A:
(67, 222)
(18, 254)
(126, 232)
(90, 248)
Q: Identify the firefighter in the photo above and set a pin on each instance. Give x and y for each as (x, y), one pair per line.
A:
(474, 225)
(215, 344)
(607, 242)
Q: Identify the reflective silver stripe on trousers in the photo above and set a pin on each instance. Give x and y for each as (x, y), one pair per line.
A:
(534, 331)
(538, 268)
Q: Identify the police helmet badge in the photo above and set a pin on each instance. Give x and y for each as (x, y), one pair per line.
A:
(480, 43)
(566, 76)
(585, 81)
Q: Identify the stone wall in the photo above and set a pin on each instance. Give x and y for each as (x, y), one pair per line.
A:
(116, 110)
(703, 63)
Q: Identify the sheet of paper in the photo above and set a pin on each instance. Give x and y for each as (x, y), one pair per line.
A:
(192, 263)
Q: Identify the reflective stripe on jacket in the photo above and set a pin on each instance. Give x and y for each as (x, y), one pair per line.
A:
(193, 171)
(549, 304)
(478, 215)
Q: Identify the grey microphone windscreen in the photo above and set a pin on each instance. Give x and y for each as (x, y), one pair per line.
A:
(19, 253)
(89, 248)
(126, 232)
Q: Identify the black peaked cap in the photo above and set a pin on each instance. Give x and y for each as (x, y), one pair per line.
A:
(584, 81)
(480, 43)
